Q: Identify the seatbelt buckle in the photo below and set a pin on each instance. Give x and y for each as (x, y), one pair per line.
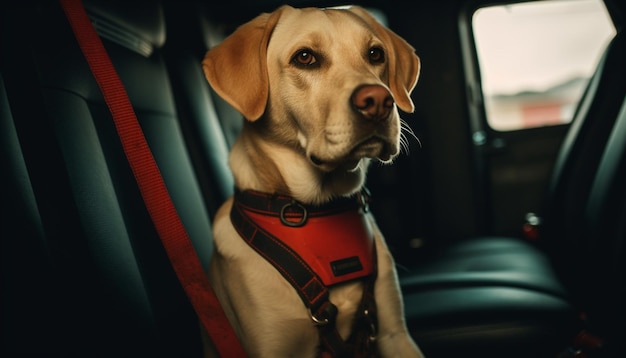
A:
(531, 226)
(584, 343)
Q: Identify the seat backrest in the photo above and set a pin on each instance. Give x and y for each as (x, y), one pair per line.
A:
(83, 271)
(209, 123)
(603, 277)
(578, 159)
(585, 227)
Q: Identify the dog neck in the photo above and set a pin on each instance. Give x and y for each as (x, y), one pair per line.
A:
(261, 164)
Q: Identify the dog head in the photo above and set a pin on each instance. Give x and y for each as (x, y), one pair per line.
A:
(324, 82)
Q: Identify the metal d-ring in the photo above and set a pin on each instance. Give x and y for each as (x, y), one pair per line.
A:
(293, 223)
(318, 321)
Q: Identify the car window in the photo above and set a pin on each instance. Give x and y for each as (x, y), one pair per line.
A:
(536, 58)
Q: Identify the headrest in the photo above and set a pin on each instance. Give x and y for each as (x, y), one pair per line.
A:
(136, 25)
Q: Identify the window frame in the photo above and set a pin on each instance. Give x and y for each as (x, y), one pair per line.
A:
(482, 132)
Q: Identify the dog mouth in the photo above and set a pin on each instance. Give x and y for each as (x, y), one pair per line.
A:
(345, 166)
(372, 148)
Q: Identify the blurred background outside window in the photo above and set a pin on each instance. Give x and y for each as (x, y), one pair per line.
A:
(536, 59)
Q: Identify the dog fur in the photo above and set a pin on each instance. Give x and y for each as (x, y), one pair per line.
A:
(293, 75)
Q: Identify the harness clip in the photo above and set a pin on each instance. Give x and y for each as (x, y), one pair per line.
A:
(327, 314)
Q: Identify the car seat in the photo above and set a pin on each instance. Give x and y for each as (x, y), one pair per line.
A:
(83, 271)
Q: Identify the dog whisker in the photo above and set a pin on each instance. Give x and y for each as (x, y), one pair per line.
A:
(404, 140)
(404, 145)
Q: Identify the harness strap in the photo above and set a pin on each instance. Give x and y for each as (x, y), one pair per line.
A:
(362, 340)
(168, 224)
(308, 284)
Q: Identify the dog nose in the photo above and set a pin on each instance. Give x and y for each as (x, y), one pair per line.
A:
(373, 102)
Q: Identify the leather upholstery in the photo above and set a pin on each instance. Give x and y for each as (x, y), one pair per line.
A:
(111, 288)
(562, 275)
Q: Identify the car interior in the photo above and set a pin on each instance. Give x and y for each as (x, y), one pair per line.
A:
(509, 242)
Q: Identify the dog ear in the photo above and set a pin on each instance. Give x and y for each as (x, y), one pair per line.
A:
(404, 65)
(237, 67)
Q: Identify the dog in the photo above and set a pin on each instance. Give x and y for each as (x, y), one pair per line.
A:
(319, 90)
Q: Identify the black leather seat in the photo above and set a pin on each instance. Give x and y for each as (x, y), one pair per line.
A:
(566, 196)
(84, 273)
(493, 286)
(209, 123)
(602, 281)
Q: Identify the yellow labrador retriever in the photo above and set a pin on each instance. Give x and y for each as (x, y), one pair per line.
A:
(300, 267)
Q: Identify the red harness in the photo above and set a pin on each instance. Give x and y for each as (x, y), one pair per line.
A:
(315, 247)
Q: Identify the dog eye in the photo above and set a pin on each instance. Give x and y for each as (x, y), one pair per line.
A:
(376, 55)
(304, 58)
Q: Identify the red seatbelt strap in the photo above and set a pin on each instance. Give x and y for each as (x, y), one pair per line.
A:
(153, 190)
